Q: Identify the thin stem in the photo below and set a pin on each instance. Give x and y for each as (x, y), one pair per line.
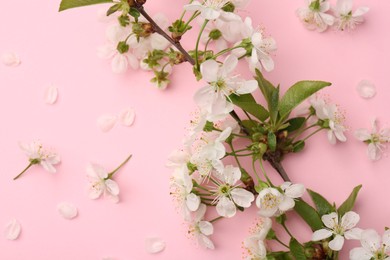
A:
(226, 51)
(288, 231)
(196, 14)
(278, 167)
(197, 44)
(20, 174)
(204, 194)
(160, 31)
(120, 166)
(235, 157)
(207, 44)
(248, 116)
(298, 133)
(280, 242)
(238, 120)
(215, 219)
(264, 173)
(254, 169)
(310, 135)
(202, 188)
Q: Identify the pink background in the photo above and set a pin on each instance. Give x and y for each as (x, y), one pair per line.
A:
(60, 48)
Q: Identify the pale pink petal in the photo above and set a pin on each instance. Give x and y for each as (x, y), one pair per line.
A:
(112, 187)
(192, 202)
(67, 210)
(321, 234)
(337, 243)
(127, 116)
(95, 190)
(199, 214)
(12, 230)
(362, 134)
(206, 228)
(51, 94)
(359, 253)
(96, 171)
(10, 59)
(154, 245)
(229, 65)
(287, 204)
(350, 220)
(366, 89)
(330, 220)
(355, 233)
(119, 63)
(360, 11)
(242, 198)
(106, 122)
(295, 191)
(48, 166)
(209, 70)
(205, 241)
(373, 152)
(370, 240)
(226, 208)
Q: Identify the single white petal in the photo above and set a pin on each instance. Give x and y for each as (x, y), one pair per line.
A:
(321, 234)
(359, 253)
(247, 87)
(330, 220)
(199, 214)
(242, 198)
(229, 65)
(206, 228)
(48, 166)
(96, 171)
(205, 241)
(362, 134)
(349, 220)
(194, 6)
(95, 190)
(51, 94)
(12, 230)
(112, 187)
(158, 42)
(10, 59)
(267, 63)
(366, 89)
(370, 240)
(344, 6)
(337, 243)
(373, 152)
(209, 70)
(360, 11)
(331, 137)
(67, 210)
(192, 202)
(355, 233)
(154, 245)
(106, 122)
(210, 14)
(119, 63)
(127, 116)
(295, 191)
(286, 204)
(226, 208)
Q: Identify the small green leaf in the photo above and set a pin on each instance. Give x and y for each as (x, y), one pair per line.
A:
(249, 125)
(251, 107)
(295, 123)
(297, 250)
(67, 4)
(279, 256)
(134, 12)
(298, 146)
(273, 106)
(349, 202)
(281, 219)
(271, 235)
(308, 214)
(113, 9)
(297, 94)
(272, 141)
(265, 86)
(243, 98)
(322, 205)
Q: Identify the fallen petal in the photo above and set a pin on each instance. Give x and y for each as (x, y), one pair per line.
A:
(10, 59)
(106, 122)
(366, 89)
(12, 230)
(51, 94)
(154, 245)
(67, 210)
(127, 117)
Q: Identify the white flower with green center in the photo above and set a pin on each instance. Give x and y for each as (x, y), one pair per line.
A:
(201, 229)
(376, 140)
(314, 15)
(373, 246)
(214, 97)
(229, 194)
(209, 9)
(38, 155)
(345, 18)
(338, 230)
(274, 202)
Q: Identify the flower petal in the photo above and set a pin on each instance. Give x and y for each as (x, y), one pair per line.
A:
(337, 243)
(362, 134)
(349, 220)
(67, 210)
(106, 122)
(205, 242)
(359, 253)
(112, 187)
(12, 230)
(366, 89)
(321, 234)
(242, 198)
(10, 59)
(373, 152)
(119, 63)
(370, 240)
(127, 116)
(192, 202)
(226, 208)
(355, 233)
(209, 70)
(199, 214)
(330, 220)
(295, 191)
(154, 245)
(51, 94)
(286, 204)
(206, 228)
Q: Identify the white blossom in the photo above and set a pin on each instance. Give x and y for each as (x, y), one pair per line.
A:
(346, 19)
(373, 246)
(201, 229)
(314, 16)
(39, 155)
(100, 183)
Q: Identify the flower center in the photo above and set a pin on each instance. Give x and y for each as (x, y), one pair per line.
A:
(270, 201)
(224, 189)
(215, 4)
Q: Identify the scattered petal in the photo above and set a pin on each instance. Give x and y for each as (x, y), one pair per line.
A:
(106, 122)
(127, 117)
(366, 89)
(51, 94)
(12, 230)
(154, 245)
(67, 210)
(10, 59)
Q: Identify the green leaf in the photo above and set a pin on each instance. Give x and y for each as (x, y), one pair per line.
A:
(297, 250)
(134, 12)
(249, 125)
(322, 205)
(243, 98)
(265, 86)
(297, 94)
(251, 107)
(298, 146)
(273, 106)
(280, 256)
(272, 141)
(67, 4)
(113, 9)
(295, 123)
(349, 202)
(308, 214)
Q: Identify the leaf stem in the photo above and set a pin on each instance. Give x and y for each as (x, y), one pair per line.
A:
(120, 166)
(25, 169)
(280, 242)
(216, 219)
(197, 44)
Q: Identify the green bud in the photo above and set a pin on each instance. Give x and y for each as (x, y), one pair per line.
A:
(191, 167)
(35, 161)
(262, 148)
(281, 219)
(315, 6)
(229, 7)
(208, 127)
(122, 47)
(215, 34)
(124, 20)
